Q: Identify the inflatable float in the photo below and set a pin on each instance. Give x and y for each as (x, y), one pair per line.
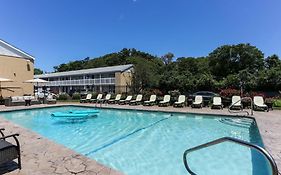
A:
(75, 114)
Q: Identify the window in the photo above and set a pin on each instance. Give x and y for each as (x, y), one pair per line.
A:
(28, 67)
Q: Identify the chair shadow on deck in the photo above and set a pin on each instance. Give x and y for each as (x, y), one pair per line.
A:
(8, 167)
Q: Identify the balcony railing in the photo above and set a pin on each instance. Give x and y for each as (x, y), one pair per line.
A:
(83, 82)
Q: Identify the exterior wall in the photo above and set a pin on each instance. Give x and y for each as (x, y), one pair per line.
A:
(18, 70)
(122, 81)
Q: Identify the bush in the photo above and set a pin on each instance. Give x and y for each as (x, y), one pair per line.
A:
(94, 94)
(277, 103)
(63, 96)
(229, 92)
(76, 96)
(146, 93)
(254, 93)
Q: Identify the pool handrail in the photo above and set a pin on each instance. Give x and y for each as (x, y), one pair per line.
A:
(264, 152)
(252, 113)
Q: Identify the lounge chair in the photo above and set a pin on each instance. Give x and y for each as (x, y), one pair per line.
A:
(165, 101)
(126, 101)
(104, 100)
(236, 102)
(51, 100)
(217, 103)
(180, 102)
(259, 103)
(116, 100)
(9, 151)
(87, 99)
(99, 97)
(137, 101)
(151, 101)
(198, 102)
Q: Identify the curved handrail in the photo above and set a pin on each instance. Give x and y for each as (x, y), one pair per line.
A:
(229, 108)
(229, 139)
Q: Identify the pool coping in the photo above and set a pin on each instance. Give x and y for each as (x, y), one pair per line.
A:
(272, 149)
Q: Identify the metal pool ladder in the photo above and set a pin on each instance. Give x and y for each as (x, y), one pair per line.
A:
(237, 141)
(252, 113)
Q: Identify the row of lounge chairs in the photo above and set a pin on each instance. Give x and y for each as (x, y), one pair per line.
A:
(137, 101)
(181, 102)
(258, 103)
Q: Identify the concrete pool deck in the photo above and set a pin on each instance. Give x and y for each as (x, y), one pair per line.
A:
(42, 156)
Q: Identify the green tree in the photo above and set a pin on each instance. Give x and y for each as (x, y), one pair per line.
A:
(272, 61)
(167, 58)
(230, 59)
(37, 71)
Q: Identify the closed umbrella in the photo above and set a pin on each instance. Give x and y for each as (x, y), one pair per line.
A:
(4, 80)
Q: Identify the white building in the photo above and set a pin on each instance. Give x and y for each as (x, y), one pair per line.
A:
(115, 79)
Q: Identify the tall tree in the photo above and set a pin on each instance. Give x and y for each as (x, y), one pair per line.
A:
(167, 58)
(37, 71)
(230, 59)
(272, 61)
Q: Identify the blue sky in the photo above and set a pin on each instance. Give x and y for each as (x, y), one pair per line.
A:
(58, 31)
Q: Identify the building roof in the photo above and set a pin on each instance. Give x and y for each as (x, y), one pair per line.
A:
(10, 50)
(109, 69)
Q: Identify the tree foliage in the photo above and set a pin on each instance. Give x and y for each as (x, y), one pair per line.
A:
(37, 71)
(228, 66)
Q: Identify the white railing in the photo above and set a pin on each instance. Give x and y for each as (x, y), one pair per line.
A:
(82, 82)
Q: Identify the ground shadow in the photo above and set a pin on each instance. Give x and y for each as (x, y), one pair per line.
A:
(8, 167)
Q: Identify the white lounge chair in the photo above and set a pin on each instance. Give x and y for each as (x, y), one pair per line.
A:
(105, 100)
(99, 97)
(259, 103)
(180, 102)
(137, 100)
(217, 103)
(87, 99)
(126, 101)
(151, 101)
(198, 102)
(166, 101)
(51, 100)
(236, 102)
(116, 100)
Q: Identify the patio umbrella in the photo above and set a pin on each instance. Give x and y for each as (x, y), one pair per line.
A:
(3, 80)
(37, 82)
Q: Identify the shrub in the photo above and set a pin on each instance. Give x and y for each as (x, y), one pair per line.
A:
(277, 103)
(146, 93)
(76, 96)
(63, 96)
(229, 92)
(254, 93)
(94, 94)
(174, 93)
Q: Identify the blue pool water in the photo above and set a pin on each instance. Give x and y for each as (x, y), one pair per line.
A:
(151, 143)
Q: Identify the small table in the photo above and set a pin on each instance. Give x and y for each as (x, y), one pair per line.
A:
(269, 105)
(27, 102)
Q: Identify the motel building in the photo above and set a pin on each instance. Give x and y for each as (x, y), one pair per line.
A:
(17, 66)
(113, 79)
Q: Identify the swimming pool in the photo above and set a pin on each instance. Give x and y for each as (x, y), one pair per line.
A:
(151, 143)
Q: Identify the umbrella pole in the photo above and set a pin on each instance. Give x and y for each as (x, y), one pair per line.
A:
(0, 89)
(44, 89)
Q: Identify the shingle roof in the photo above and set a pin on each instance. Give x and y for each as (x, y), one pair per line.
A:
(9, 50)
(109, 69)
